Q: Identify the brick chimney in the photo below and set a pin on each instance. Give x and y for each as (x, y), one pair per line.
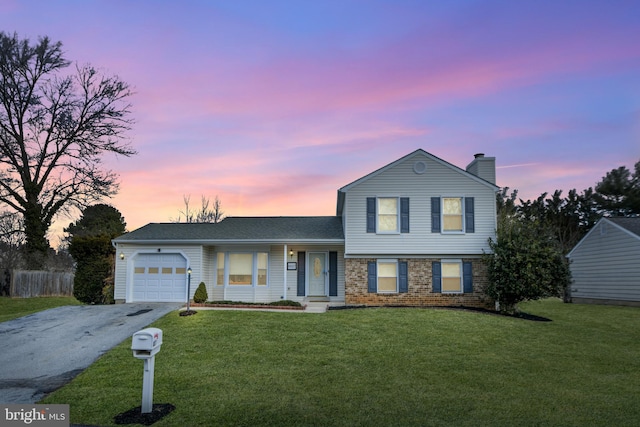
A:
(483, 167)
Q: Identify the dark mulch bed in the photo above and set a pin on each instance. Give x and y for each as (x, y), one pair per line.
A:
(187, 313)
(520, 315)
(247, 305)
(134, 416)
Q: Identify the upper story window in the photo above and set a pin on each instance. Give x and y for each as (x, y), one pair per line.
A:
(452, 214)
(387, 215)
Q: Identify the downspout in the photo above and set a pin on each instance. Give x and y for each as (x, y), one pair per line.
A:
(284, 292)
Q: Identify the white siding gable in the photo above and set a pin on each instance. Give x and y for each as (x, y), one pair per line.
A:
(419, 177)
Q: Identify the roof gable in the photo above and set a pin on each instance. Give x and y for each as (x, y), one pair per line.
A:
(629, 226)
(408, 157)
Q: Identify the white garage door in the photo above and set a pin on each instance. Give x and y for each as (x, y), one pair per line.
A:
(160, 277)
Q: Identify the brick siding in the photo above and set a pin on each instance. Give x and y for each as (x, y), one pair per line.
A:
(420, 286)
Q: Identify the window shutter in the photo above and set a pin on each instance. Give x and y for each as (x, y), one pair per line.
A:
(301, 273)
(435, 214)
(467, 277)
(372, 276)
(404, 214)
(371, 214)
(436, 274)
(333, 274)
(403, 277)
(469, 215)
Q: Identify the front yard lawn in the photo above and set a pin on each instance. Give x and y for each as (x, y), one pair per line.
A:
(379, 367)
(12, 308)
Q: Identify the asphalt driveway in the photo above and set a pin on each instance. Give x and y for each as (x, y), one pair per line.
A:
(43, 351)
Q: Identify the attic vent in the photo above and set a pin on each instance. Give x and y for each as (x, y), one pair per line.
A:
(420, 167)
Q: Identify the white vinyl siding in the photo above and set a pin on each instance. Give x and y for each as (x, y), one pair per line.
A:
(605, 265)
(437, 181)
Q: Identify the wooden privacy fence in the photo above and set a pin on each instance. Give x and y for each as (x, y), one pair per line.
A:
(29, 283)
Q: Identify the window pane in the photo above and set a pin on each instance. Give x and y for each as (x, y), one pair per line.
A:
(167, 270)
(262, 268)
(387, 223)
(452, 222)
(240, 269)
(153, 270)
(220, 278)
(387, 269)
(450, 269)
(388, 206)
(451, 284)
(181, 270)
(452, 206)
(138, 270)
(386, 284)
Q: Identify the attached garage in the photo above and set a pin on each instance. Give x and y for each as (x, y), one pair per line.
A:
(159, 278)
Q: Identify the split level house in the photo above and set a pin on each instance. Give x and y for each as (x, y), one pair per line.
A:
(410, 233)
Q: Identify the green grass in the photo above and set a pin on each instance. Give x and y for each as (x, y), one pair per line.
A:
(379, 367)
(12, 308)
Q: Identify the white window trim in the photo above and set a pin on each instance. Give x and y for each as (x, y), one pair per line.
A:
(464, 220)
(398, 219)
(254, 268)
(387, 261)
(442, 277)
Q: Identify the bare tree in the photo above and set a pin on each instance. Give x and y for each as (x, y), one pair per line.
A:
(205, 214)
(54, 129)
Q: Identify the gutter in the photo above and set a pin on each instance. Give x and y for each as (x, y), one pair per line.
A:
(229, 242)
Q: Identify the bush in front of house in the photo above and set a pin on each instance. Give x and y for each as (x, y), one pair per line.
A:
(525, 263)
(201, 294)
(286, 303)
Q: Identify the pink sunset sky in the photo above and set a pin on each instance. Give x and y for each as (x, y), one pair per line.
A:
(274, 105)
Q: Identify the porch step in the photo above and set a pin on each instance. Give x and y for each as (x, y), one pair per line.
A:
(316, 307)
(318, 299)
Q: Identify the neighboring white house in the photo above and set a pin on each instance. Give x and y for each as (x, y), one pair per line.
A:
(410, 233)
(605, 264)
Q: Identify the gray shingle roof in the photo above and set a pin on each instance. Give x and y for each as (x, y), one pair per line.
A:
(231, 229)
(630, 224)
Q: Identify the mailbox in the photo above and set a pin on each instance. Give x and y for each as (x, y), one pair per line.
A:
(146, 343)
